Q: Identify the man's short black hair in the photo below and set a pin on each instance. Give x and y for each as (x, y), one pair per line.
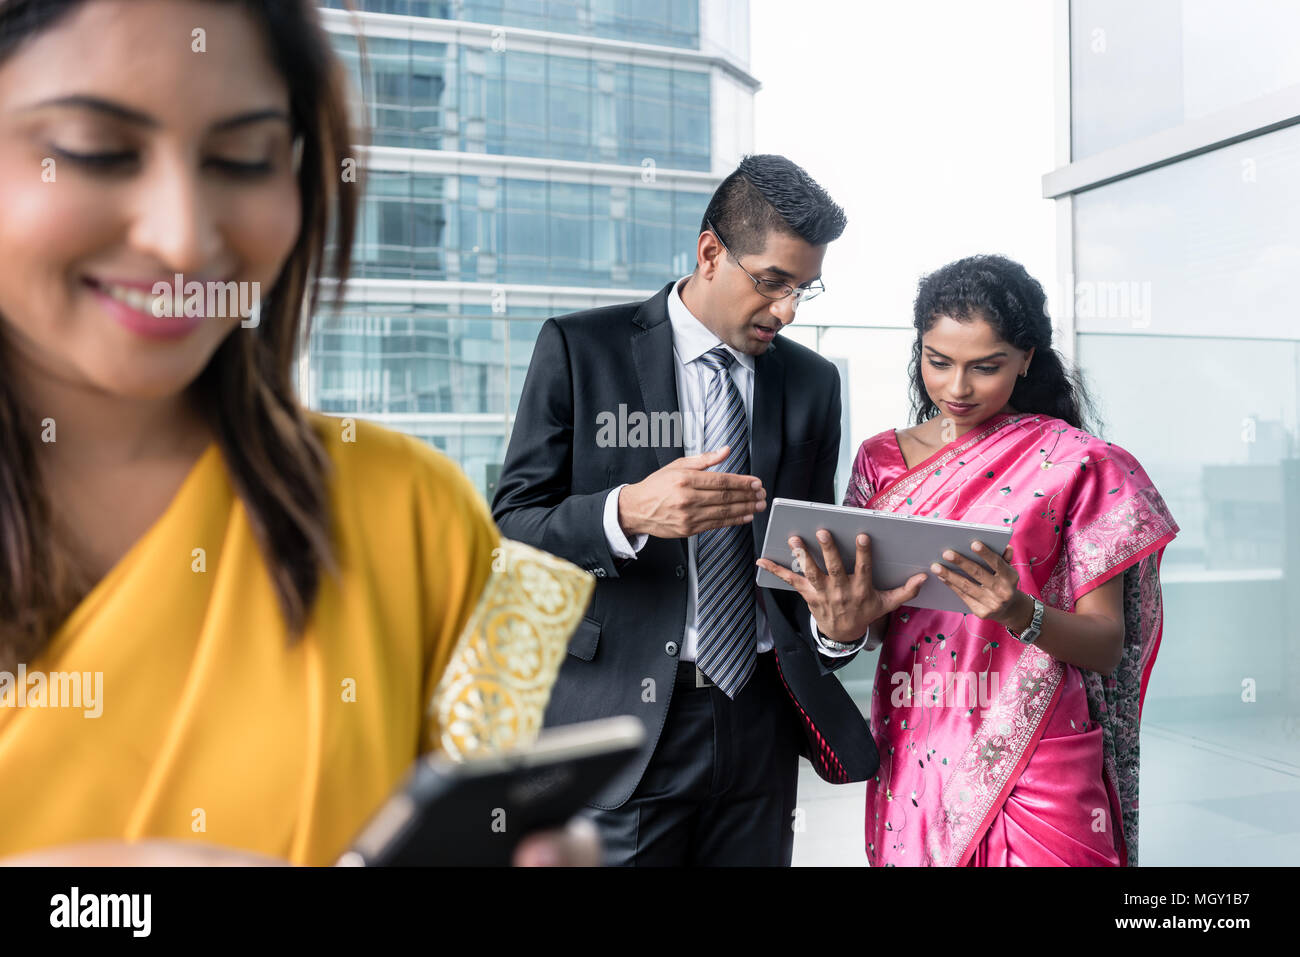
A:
(769, 193)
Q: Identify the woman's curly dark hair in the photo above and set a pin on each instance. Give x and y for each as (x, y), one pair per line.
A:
(1001, 292)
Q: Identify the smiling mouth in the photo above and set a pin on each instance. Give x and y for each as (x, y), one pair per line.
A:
(137, 299)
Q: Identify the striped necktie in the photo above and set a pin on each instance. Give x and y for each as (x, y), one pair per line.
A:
(724, 557)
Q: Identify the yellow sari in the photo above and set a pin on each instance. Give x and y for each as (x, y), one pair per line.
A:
(437, 634)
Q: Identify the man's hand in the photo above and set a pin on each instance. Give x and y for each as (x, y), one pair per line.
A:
(843, 604)
(683, 498)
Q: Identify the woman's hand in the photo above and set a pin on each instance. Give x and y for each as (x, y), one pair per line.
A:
(993, 597)
(843, 604)
(578, 845)
(151, 853)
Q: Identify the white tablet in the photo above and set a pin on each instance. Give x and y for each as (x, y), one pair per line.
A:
(901, 545)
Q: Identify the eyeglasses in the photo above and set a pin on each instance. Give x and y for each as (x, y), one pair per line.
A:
(770, 288)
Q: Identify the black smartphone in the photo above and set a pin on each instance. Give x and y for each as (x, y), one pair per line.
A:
(474, 813)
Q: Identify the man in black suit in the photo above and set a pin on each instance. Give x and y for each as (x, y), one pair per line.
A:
(732, 682)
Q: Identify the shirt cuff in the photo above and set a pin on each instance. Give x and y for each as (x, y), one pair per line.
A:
(875, 637)
(829, 651)
(619, 546)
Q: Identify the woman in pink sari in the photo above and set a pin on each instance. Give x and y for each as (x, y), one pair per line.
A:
(998, 746)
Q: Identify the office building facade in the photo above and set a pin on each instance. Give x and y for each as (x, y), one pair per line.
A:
(525, 160)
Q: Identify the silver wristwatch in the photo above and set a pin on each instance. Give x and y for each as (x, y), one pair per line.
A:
(841, 646)
(1030, 634)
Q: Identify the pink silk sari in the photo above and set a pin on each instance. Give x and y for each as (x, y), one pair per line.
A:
(993, 752)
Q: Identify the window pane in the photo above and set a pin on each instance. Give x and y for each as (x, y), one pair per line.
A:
(1139, 68)
(1220, 441)
(1210, 245)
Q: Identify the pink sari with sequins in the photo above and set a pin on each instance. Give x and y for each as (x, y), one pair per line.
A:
(993, 752)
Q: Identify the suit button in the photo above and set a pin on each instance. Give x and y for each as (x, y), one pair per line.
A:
(680, 571)
(671, 649)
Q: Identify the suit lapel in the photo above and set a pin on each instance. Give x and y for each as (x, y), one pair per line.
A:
(652, 354)
(765, 432)
(652, 351)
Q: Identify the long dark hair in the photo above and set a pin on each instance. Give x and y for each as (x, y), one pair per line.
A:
(1001, 292)
(276, 461)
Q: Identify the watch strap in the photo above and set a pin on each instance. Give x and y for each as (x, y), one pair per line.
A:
(1030, 634)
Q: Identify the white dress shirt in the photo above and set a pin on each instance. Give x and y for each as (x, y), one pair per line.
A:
(692, 339)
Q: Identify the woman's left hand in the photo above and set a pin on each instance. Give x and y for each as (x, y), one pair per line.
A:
(575, 845)
(994, 597)
(153, 852)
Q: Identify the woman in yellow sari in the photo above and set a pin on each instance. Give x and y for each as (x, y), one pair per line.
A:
(223, 619)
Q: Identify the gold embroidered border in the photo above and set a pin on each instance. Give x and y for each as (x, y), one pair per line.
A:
(498, 681)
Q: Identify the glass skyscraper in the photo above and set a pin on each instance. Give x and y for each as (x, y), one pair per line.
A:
(527, 158)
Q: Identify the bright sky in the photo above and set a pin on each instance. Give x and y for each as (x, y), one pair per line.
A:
(932, 124)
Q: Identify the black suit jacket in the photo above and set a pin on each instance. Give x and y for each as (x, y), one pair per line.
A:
(552, 495)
